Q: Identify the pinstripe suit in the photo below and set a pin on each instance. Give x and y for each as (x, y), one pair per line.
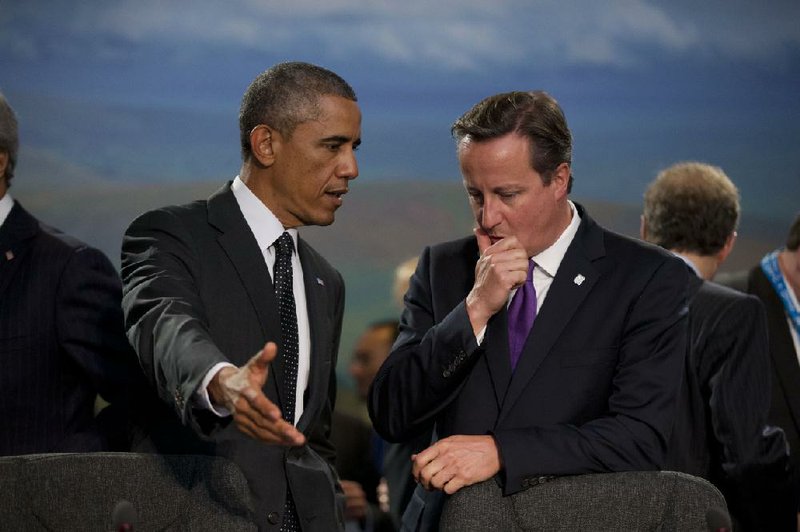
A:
(61, 339)
(720, 431)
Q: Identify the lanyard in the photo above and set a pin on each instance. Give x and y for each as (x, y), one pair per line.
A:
(769, 264)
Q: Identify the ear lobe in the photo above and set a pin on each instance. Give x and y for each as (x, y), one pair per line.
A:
(3, 163)
(261, 144)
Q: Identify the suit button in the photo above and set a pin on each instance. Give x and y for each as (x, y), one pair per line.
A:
(273, 518)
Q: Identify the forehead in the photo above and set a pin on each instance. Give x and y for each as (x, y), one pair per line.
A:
(334, 112)
(502, 158)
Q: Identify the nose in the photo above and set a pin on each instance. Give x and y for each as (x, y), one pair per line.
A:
(348, 167)
(489, 214)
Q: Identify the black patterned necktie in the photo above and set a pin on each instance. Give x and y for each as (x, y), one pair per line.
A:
(284, 293)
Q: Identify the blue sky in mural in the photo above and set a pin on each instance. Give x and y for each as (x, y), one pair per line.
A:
(149, 90)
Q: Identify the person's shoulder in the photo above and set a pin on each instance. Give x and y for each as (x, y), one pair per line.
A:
(737, 280)
(455, 248)
(183, 212)
(727, 299)
(636, 254)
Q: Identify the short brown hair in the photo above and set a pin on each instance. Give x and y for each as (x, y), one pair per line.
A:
(535, 115)
(691, 207)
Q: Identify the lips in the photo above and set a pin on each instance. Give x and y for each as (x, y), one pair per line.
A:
(336, 196)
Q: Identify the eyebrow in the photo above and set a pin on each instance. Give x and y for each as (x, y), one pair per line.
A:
(341, 139)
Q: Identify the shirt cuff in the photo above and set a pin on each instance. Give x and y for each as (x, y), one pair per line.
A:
(201, 397)
(480, 335)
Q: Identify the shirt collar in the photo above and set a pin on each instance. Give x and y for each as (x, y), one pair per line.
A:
(264, 225)
(6, 203)
(550, 259)
(689, 263)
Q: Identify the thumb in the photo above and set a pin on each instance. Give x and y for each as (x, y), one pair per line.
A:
(261, 360)
(483, 239)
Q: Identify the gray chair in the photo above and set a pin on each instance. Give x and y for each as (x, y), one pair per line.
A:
(81, 491)
(636, 500)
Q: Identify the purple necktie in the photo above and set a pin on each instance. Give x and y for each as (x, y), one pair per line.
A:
(521, 313)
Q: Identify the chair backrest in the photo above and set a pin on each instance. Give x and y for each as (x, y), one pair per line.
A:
(81, 491)
(636, 500)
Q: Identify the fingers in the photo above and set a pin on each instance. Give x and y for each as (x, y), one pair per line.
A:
(455, 462)
(270, 430)
(483, 239)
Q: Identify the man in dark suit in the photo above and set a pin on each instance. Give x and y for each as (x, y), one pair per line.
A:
(692, 209)
(61, 335)
(776, 282)
(237, 331)
(592, 385)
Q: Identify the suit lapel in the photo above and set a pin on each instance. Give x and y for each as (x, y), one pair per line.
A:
(16, 237)
(319, 330)
(574, 280)
(241, 248)
(497, 355)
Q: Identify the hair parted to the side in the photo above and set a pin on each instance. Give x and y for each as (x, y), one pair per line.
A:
(691, 207)
(286, 95)
(9, 137)
(535, 115)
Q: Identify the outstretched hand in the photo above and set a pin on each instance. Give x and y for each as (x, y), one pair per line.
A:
(240, 391)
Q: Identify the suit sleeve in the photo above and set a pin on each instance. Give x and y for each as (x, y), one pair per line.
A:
(633, 432)
(89, 321)
(164, 314)
(427, 365)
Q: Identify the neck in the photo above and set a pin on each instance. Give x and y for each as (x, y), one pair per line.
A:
(706, 265)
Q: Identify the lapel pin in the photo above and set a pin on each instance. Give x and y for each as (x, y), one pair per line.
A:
(9, 255)
(320, 282)
(579, 279)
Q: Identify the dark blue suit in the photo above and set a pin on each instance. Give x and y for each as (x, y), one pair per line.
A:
(596, 386)
(61, 340)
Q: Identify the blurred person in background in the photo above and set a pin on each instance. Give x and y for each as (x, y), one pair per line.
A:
(721, 432)
(62, 340)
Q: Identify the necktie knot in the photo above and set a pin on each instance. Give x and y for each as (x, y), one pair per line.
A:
(284, 245)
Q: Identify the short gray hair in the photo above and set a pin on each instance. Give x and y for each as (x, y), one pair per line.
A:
(9, 137)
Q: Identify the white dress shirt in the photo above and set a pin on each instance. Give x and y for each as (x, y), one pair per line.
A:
(6, 203)
(267, 229)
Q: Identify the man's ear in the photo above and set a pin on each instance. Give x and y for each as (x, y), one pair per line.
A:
(561, 179)
(3, 164)
(261, 138)
(642, 227)
(727, 248)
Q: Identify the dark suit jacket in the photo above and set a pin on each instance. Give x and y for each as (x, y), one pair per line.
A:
(721, 432)
(785, 406)
(596, 386)
(197, 292)
(61, 339)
